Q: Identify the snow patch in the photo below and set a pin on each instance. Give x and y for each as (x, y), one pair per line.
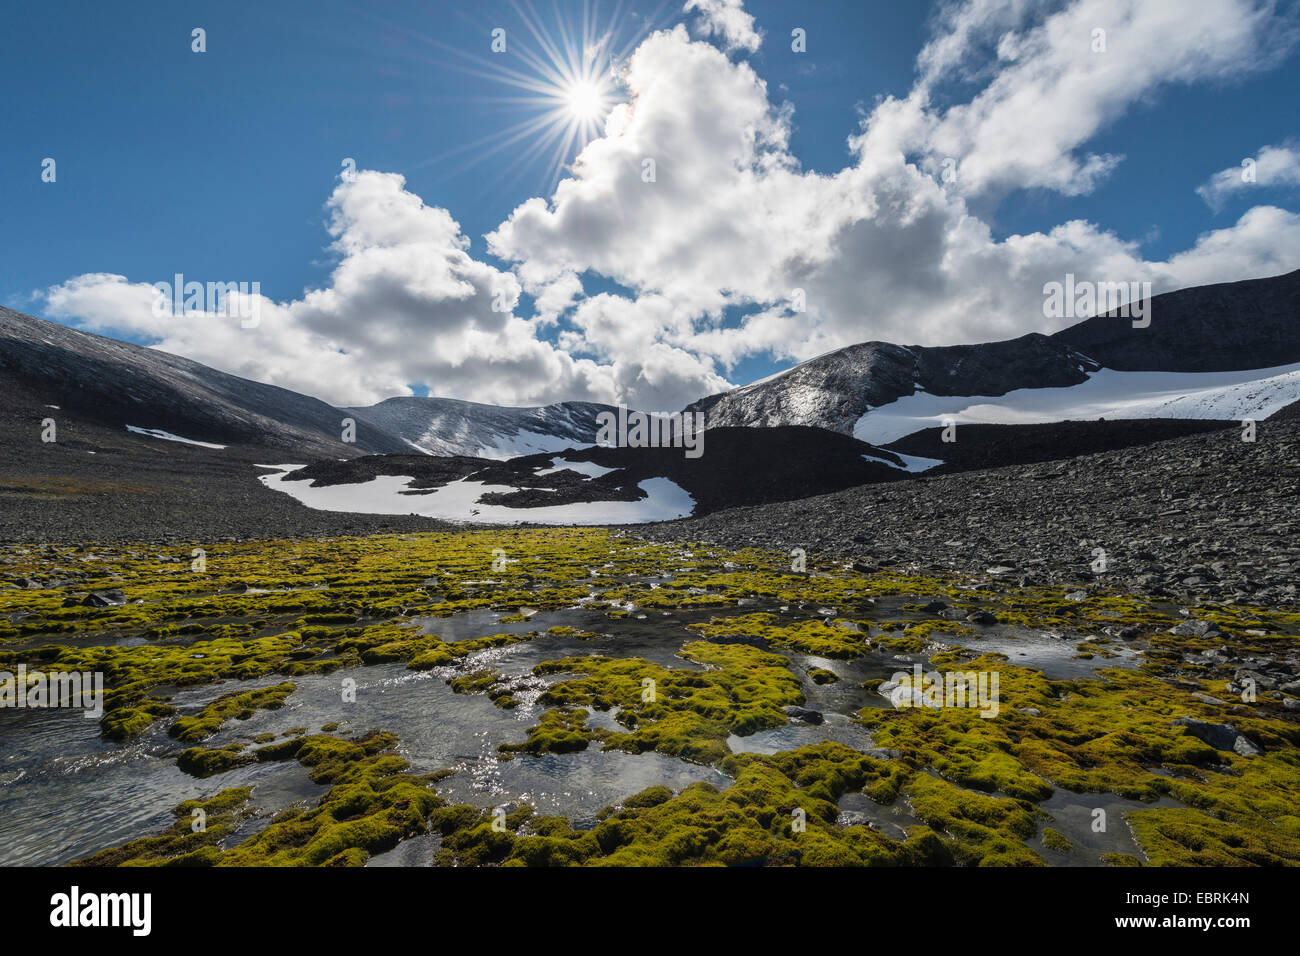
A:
(1228, 396)
(523, 443)
(912, 463)
(168, 436)
(588, 468)
(459, 501)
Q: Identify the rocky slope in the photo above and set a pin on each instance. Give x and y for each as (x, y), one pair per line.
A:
(1205, 515)
(741, 466)
(447, 426)
(99, 380)
(1212, 328)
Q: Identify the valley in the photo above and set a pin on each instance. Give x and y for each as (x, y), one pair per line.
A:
(603, 700)
(437, 633)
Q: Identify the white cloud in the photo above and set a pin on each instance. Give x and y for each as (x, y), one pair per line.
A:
(405, 304)
(1050, 87)
(729, 20)
(883, 249)
(1273, 166)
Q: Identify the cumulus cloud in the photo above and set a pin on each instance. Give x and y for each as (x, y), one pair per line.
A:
(1057, 75)
(725, 248)
(728, 20)
(1273, 166)
(886, 248)
(406, 303)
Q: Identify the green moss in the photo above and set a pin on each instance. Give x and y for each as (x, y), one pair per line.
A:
(1054, 840)
(311, 607)
(814, 637)
(560, 731)
(650, 797)
(372, 804)
(751, 822)
(1187, 837)
(985, 830)
(204, 762)
(191, 841)
(475, 683)
(233, 706)
(679, 712)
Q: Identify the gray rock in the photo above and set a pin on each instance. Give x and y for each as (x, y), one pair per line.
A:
(1219, 736)
(883, 753)
(803, 714)
(1261, 681)
(109, 598)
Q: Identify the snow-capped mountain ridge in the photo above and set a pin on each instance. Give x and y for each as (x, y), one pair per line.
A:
(448, 426)
(836, 390)
(153, 393)
(1231, 327)
(118, 384)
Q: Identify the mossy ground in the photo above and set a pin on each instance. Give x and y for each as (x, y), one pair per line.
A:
(291, 609)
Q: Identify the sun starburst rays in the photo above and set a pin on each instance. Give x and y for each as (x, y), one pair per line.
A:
(558, 82)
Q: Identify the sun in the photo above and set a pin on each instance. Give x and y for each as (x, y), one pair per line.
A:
(585, 101)
(565, 79)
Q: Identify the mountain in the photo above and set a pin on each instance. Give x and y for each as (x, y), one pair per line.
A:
(150, 443)
(1194, 360)
(447, 426)
(119, 386)
(1213, 328)
(835, 390)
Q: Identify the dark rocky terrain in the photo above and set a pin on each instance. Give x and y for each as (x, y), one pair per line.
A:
(102, 381)
(993, 446)
(101, 484)
(1182, 506)
(1231, 325)
(740, 466)
(1205, 515)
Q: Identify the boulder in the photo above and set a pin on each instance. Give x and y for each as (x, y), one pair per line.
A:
(1219, 736)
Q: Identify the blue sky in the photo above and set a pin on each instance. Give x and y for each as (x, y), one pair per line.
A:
(219, 165)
